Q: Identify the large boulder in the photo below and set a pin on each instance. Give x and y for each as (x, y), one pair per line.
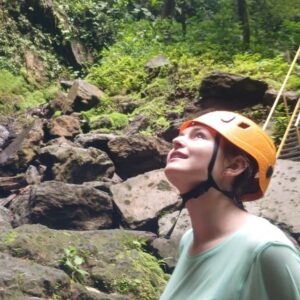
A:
(94, 139)
(83, 96)
(137, 154)
(71, 164)
(168, 246)
(230, 91)
(281, 202)
(16, 157)
(63, 126)
(143, 198)
(271, 94)
(114, 260)
(23, 279)
(63, 206)
(11, 184)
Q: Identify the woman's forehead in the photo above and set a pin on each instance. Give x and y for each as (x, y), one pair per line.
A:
(195, 126)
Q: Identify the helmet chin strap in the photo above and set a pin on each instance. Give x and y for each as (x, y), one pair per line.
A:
(204, 186)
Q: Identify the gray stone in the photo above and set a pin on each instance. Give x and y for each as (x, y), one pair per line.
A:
(168, 249)
(93, 139)
(21, 279)
(114, 259)
(21, 151)
(63, 206)
(75, 165)
(4, 136)
(63, 126)
(157, 62)
(83, 96)
(230, 91)
(143, 198)
(281, 202)
(136, 154)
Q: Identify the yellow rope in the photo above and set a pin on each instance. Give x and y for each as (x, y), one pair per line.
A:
(281, 89)
(288, 128)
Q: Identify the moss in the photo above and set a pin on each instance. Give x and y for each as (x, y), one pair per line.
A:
(16, 94)
(10, 237)
(163, 185)
(146, 279)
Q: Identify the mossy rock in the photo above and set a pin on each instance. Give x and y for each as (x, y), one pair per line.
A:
(115, 260)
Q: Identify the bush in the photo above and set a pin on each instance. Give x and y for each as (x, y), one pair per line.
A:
(16, 94)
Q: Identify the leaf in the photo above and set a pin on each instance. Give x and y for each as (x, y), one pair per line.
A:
(78, 260)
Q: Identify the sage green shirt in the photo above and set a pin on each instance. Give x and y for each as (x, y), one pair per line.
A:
(258, 262)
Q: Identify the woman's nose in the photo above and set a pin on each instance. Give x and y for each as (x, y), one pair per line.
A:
(178, 142)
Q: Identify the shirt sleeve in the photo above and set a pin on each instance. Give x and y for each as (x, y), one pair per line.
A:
(274, 275)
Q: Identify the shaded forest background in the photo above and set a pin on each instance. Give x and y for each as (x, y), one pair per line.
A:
(109, 44)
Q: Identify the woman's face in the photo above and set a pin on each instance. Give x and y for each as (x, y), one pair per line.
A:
(188, 161)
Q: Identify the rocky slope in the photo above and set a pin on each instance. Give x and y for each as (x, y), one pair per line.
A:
(84, 214)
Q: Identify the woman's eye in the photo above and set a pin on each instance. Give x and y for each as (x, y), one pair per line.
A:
(200, 135)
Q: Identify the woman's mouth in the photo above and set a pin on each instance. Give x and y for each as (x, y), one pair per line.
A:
(177, 154)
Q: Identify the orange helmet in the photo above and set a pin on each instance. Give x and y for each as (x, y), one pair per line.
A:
(246, 135)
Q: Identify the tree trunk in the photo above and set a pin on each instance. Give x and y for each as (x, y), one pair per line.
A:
(169, 6)
(244, 19)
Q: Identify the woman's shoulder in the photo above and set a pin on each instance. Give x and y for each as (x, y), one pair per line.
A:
(260, 232)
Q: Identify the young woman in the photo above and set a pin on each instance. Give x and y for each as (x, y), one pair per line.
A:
(218, 161)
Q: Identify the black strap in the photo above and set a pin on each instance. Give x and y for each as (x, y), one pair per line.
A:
(205, 185)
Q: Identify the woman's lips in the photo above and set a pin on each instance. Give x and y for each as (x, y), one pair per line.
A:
(177, 154)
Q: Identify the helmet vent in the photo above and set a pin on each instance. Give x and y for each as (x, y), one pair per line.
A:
(243, 125)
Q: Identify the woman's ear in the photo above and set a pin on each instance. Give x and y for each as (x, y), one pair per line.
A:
(235, 166)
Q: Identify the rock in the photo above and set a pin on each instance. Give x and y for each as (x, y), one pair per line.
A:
(136, 154)
(114, 259)
(168, 249)
(75, 165)
(63, 126)
(90, 293)
(125, 104)
(172, 131)
(143, 198)
(64, 206)
(157, 62)
(60, 141)
(80, 53)
(10, 184)
(35, 67)
(23, 279)
(6, 219)
(21, 151)
(96, 140)
(271, 94)
(83, 96)
(34, 175)
(66, 83)
(4, 136)
(58, 104)
(229, 91)
(139, 123)
(281, 202)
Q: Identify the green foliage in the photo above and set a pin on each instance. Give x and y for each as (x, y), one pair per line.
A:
(118, 120)
(150, 280)
(280, 124)
(272, 70)
(71, 264)
(10, 237)
(16, 94)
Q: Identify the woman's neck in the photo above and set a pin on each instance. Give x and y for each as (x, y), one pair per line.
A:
(214, 217)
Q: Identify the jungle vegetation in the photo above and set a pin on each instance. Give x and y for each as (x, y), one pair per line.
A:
(116, 39)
